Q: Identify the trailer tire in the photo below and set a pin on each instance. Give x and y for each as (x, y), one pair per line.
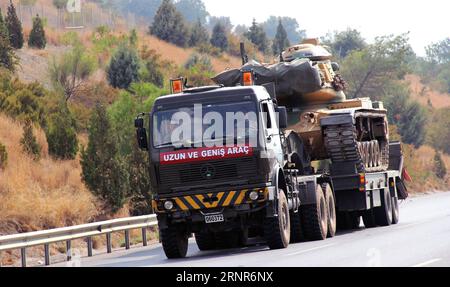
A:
(383, 214)
(315, 217)
(297, 234)
(277, 230)
(205, 241)
(174, 242)
(331, 209)
(395, 211)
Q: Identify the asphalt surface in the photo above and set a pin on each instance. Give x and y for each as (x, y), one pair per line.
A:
(421, 239)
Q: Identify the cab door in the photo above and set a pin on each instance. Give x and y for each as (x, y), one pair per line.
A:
(271, 132)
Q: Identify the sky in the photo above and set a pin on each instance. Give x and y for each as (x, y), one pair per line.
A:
(427, 20)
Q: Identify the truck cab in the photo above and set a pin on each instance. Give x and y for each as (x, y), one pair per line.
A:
(216, 163)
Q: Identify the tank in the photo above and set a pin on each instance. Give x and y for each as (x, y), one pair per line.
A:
(352, 133)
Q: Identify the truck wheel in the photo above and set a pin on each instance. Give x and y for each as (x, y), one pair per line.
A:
(174, 242)
(331, 209)
(383, 214)
(296, 228)
(315, 217)
(205, 241)
(277, 230)
(369, 219)
(395, 211)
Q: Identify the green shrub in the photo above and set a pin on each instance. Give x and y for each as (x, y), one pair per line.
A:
(439, 166)
(29, 143)
(61, 136)
(3, 156)
(199, 60)
(123, 68)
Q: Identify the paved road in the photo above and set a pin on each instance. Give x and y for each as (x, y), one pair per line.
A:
(422, 238)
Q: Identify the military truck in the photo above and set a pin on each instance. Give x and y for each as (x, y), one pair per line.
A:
(225, 189)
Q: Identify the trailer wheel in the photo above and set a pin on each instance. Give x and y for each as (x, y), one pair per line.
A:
(395, 211)
(383, 214)
(174, 242)
(331, 209)
(205, 240)
(297, 234)
(315, 217)
(277, 230)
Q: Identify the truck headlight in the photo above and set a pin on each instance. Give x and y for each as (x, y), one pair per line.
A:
(254, 195)
(168, 205)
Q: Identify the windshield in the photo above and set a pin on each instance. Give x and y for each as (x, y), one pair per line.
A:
(206, 125)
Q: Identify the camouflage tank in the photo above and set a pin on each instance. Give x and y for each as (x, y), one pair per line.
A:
(352, 133)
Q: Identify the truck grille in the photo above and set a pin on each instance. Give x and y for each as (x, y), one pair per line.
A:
(180, 174)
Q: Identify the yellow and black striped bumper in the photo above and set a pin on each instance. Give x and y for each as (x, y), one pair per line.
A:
(210, 200)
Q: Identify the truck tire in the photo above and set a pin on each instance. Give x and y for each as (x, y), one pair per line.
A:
(331, 209)
(277, 230)
(395, 211)
(205, 241)
(297, 234)
(315, 217)
(368, 217)
(383, 214)
(174, 242)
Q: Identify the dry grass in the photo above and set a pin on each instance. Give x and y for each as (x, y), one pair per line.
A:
(43, 194)
(423, 93)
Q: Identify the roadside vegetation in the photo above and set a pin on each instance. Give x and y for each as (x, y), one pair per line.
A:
(68, 152)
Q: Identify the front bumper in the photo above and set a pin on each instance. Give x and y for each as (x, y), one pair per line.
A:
(211, 202)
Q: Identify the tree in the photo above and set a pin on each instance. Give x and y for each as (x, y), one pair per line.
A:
(199, 35)
(342, 43)
(439, 166)
(7, 56)
(219, 37)
(123, 68)
(439, 130)
(37, 35)
(223, 20)
(70, 73)
(104, 173)
(14, 27)
(281, 41)
(192, 10)
(29, 143)
(439, 52)
(61, 135)
(293, 31)
(151, 70)
(257, 36)
(367, 71)
(168, 25)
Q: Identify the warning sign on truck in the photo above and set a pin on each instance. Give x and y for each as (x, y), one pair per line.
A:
(203, 154)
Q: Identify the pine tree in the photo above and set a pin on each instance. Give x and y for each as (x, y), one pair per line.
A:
(61, 135)
(7, 56)
(168, 25)
(3, 156)
(103, 171)
(37, 35)
(199, 35)
(123, 68)
(14, 27)
(439, 166)
(257, 36)
(281, 40)
(29, 143)
(219, 37)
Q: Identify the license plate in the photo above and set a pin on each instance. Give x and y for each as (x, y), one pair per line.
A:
(214, 218)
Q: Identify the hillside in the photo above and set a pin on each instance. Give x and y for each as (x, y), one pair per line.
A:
(426, 95)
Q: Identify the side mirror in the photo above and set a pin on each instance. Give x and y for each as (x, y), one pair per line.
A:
(142, 138)
(139, 123)
(282, 117)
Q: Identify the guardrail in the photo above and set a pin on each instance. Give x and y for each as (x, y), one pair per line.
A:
(23, 241)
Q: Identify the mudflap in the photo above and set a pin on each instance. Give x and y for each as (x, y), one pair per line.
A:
(402, 190)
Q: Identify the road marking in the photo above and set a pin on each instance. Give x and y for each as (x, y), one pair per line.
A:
(428, 262)
(311, 249)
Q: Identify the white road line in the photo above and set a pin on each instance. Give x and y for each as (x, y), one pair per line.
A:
(427, 262)
(311, 249)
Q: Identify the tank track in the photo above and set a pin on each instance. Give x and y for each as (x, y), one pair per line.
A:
(342, 146)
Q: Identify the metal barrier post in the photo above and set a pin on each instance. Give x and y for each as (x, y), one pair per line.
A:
(108, 243)
(47, 254)
(144, 236)
(127, 239)
(89, 246)
(23, 255)
(69, 250)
